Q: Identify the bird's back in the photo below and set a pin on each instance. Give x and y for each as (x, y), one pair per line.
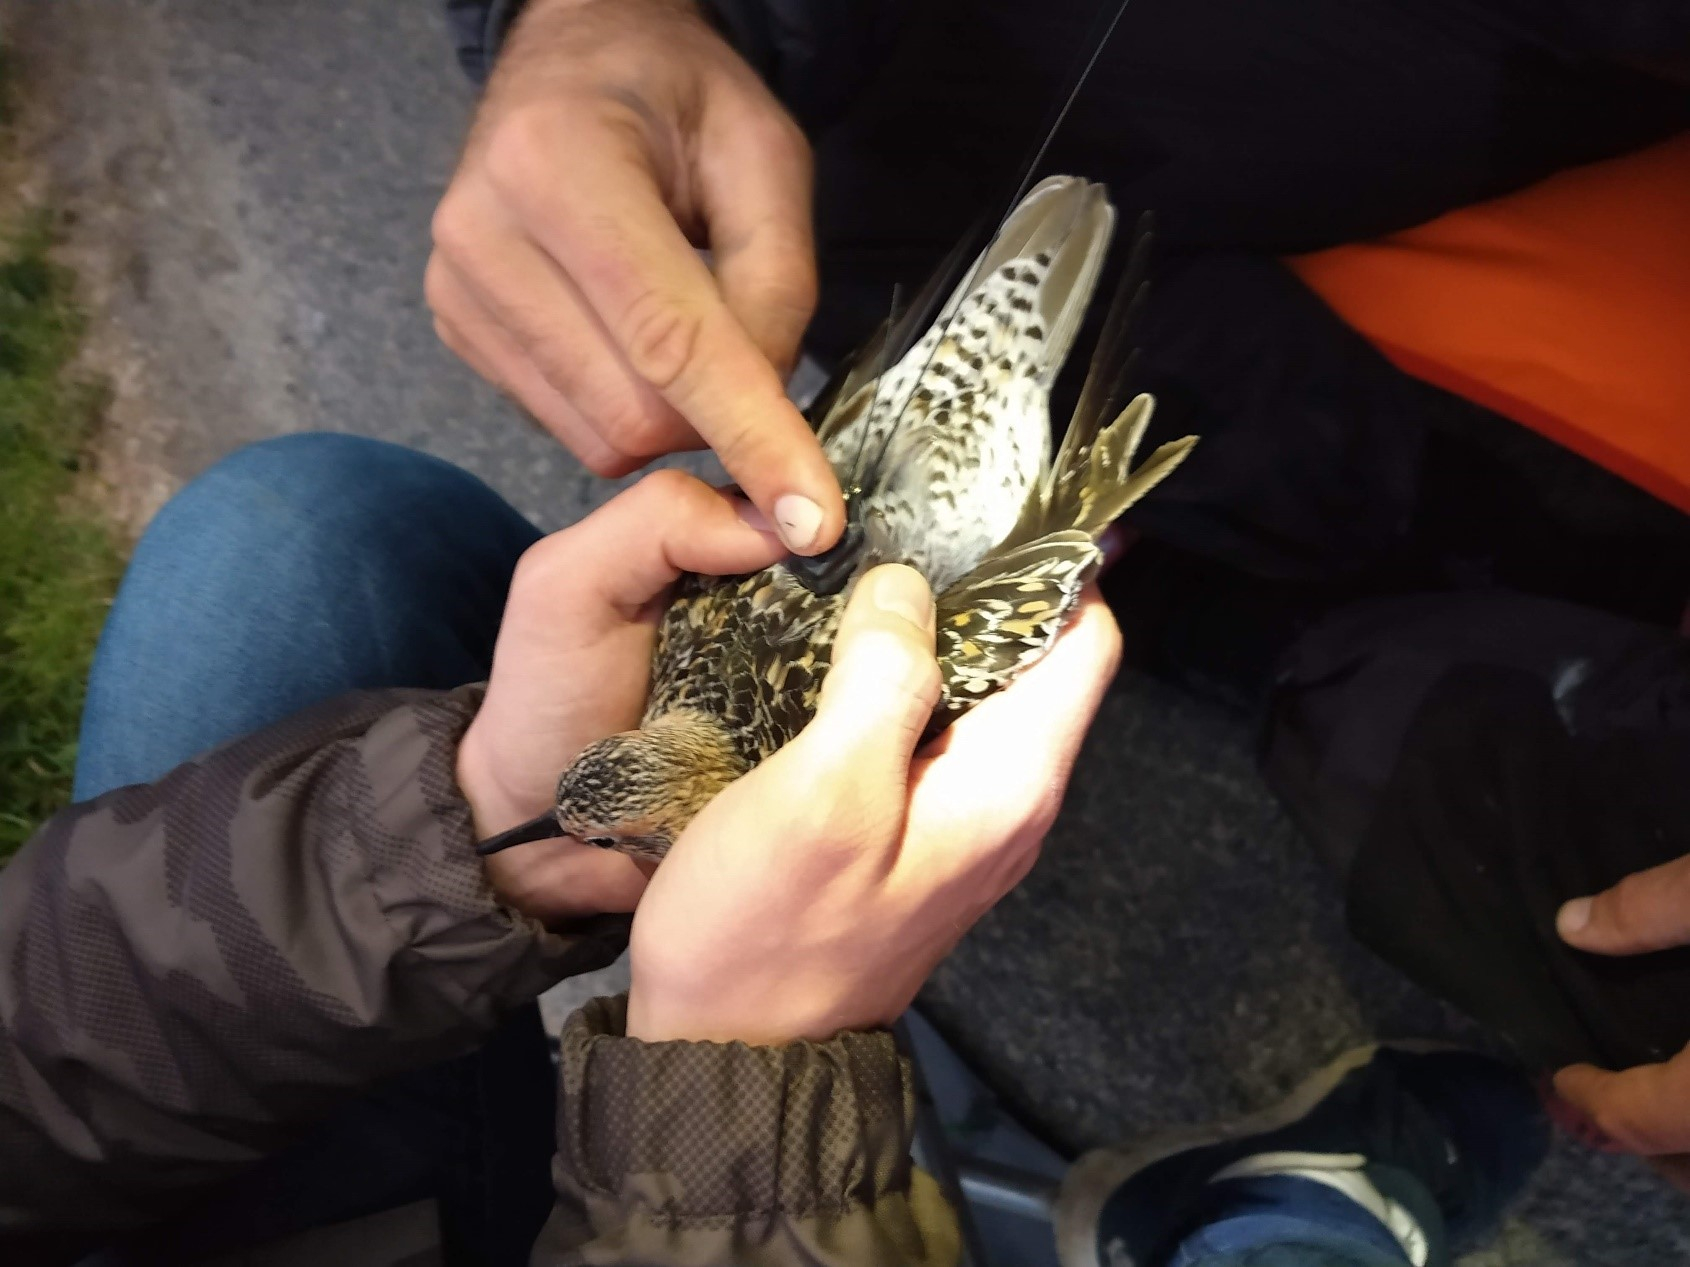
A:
(947, 457)
(947, 444)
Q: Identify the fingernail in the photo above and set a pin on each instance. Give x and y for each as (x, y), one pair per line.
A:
(1573, 917)
(799, 520)
(903, 592)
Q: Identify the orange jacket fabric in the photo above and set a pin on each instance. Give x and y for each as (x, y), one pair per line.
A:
(1565, 306)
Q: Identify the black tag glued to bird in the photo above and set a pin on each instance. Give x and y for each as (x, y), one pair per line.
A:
(827, 573)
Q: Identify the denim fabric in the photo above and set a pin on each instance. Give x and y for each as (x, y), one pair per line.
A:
(292, 571)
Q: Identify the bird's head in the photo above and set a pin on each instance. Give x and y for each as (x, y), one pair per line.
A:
(636, 791)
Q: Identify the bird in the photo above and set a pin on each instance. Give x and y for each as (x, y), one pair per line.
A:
(945, 457)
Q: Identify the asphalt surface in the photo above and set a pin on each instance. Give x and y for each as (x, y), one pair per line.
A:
(252, 184)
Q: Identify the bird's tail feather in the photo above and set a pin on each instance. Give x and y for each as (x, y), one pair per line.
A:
(1114, 357)
(1069, 221)
(1108, 486)
(1091, 481)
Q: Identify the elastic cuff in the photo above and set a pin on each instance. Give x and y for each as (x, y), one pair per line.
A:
(707, 1130)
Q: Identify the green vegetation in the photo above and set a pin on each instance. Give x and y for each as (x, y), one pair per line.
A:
(59, 561)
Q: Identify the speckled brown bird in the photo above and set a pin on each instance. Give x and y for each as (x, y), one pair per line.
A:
(946, 460)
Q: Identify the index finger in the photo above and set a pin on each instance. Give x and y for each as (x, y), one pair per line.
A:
(604, 220)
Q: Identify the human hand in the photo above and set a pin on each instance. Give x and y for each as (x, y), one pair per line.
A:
(1647, 1109)
(818, 892)
(573, 664)
(614, 135)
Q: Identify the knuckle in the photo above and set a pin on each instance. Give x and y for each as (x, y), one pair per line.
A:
(925, 679)
(667, 489)
(1032, 808)
(1632, 913)
(558, 362)
(634, 428)
(790, 290)
(1672, 882)
(521, 147)
(437, 288)
(1619, 1128)
(450, 339)
(539, 565)
(660, 338)
(604, 462)
(780, 138)
(741, 444)
(452, 227)
(919, 686)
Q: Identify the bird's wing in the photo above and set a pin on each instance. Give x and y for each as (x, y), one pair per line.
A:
(1003, 615)
(1091, 481)
(787, 641)
(690, 643)
(1098, 483)
(853, 389)
(749, 651)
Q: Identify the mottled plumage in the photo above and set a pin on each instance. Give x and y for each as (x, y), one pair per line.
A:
(946, 458)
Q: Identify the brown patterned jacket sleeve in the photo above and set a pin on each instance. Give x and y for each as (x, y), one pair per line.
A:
(191, 970)
(720, 1153)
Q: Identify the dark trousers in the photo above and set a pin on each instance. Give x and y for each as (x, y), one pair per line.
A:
(291, 572)
(1252, 131)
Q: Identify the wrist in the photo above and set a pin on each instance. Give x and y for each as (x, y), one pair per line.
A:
(755, 1017)
(492, 805)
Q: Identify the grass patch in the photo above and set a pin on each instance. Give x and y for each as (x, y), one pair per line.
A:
(59, 560)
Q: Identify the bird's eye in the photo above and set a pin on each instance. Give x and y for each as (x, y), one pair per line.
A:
(601, 842)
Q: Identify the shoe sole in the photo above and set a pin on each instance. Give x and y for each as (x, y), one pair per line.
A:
(1091, 1181)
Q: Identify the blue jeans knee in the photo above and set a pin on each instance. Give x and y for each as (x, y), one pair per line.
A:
(291, 571)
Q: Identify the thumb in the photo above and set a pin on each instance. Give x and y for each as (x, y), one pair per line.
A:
(1647, 911)
(880, 692)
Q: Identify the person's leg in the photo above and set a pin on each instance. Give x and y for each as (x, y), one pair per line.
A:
(1467, 762)
(290, 572)
(1385, 1158)
(1267, 128)
(1253, 131)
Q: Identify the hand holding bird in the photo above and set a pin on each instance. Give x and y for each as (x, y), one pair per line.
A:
(818, 892)
(573, 664)
(943, 444)
(616, 136)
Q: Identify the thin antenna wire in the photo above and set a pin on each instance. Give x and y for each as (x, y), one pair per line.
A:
(826, 572)
(853, 485)
(1078, 81)
(1104, 29)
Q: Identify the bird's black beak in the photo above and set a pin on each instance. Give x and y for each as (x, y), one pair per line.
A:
(544, 827)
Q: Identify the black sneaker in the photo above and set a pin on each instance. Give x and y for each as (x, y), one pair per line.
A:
(1432, 1143)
